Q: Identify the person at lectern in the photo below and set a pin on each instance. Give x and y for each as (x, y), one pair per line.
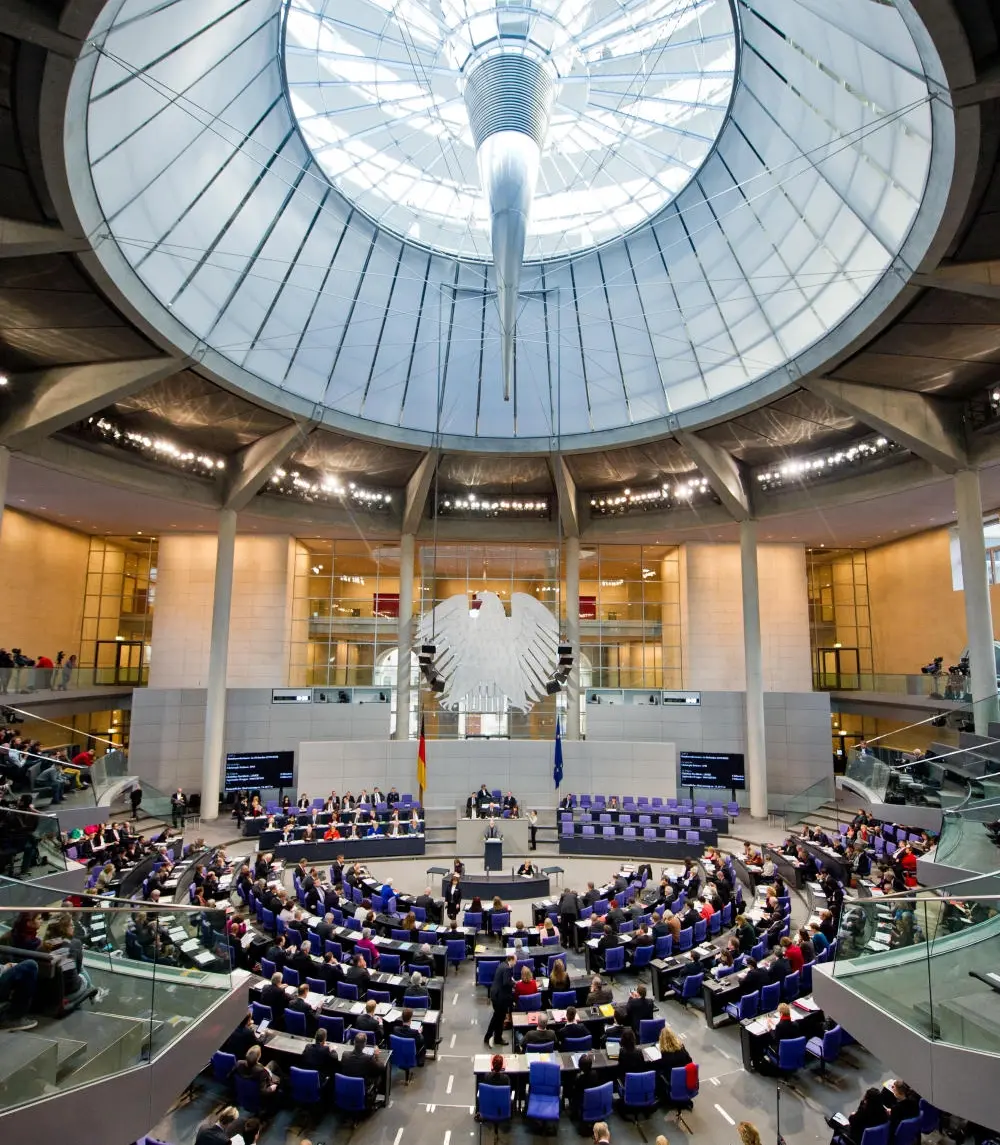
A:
(492, 831)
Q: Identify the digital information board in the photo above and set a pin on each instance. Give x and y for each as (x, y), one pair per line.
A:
(720, 770)
(246, 770)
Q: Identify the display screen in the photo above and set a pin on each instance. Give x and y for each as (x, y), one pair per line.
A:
(246, 770)
(714, 769)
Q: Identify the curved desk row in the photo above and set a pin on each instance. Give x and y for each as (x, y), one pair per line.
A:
(322, 851)
(638, 848)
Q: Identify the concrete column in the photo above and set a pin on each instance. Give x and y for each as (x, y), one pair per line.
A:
(404, 636)
(978, 615)
(573, 636)
(756, 761)
(215, 707)
(4, 473)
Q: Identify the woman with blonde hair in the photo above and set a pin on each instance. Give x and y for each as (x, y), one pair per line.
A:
(748, 1133)
(559, 979)
(673, 1055)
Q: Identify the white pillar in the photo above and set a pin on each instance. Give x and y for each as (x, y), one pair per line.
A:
(978, 615)
(756, 761)
(573, 636)
(215, 707)
(404, 637)
(4, 473)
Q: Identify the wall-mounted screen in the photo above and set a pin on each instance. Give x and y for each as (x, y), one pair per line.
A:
(246, 770)
(713, 769)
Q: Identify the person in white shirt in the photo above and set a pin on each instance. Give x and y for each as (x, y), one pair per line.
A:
(250, 1133)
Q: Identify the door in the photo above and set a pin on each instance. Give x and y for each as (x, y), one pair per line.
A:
(837, 669)
(120, 662)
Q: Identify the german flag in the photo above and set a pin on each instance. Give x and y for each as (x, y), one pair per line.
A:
(422, 762)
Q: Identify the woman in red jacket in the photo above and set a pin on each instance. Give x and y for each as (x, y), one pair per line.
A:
(527, 984)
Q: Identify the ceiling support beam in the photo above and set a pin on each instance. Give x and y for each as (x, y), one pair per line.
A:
(45, 402)
(926, 426)
(987, 86)
(255, 463)
(724, 474)
(979, 278)
(27, 21)
(417, 489)
(20, 240)
(562, 479)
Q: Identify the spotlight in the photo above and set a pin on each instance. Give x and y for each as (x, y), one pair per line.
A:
(553, 686)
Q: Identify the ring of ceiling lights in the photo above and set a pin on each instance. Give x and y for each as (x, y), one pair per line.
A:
(215, 226)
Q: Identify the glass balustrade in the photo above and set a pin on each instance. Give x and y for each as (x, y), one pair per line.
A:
(966, 841)
(117, 982)
(930, 959)
(30, 843)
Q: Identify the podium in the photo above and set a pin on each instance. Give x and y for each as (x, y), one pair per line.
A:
(493, 855)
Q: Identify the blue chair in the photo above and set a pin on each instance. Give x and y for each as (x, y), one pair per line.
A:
(415, 1001)
(347, 990)
(306, 1086)
(746, 1007)
(473, 919)
(349, 1095)
(543, 1091)
(390, 963)
(875, 1135)
(223, 1066)
(578, 1045)
(267, 968)
(316, 986)
(290, 976)
(378, 995)
(485, 972)
(498, 920)
(642, 956)
(494, 1108)
(790, 986)
(638, 1094)
(770, 996)
(825, 1049)
(247, 1093)
(260, 1013)
(759, 951)
(614, 960)
(663, 946)
(700, 930)
(334, 948)
(806, 978)
(598, 1103)
(334, 1026)
(525, 1003)
(930, 1117)
(295, 1023)
(563, 998)
(315, 940)
(404, 1054)
(715, 923)
(681, 1096)
(685, 939)
(791, 1055)
(649, 1030)
(907, 1132)
(455, 952)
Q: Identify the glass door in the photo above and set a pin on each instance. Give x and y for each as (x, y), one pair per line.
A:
(120, 662)
(838, 668)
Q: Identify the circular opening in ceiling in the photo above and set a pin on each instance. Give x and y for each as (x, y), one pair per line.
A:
(640, 90)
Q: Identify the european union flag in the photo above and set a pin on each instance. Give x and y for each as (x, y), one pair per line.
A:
(557, 769)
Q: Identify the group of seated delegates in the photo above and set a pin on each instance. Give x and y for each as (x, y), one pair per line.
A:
(893, 1103)
(338, 818)
(486, 804)
(46, 933)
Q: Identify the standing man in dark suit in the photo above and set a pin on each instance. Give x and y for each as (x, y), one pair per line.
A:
(502, 999)
(569, 912)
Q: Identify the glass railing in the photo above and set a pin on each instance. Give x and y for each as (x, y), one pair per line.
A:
(795, 808)
(966, 841)
(943, 687)
(866, 768)
(114, 986)
(929, 959)
(30, 843)
(21, 682)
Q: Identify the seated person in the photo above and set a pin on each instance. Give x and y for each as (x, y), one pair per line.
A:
(274, 996)
(318, 1056)
(607, 940)
(251, 1067)
(527, 984)
(370, 1024)
(672, 1055)
(407, 1029)
(300, 1003)
(756, 978)
(357, 974)
(630, 1059)
(600, 995)
(613, 1033)
(359, 1064)
(498, 1076)
(642, 937)
(527, 868)
(559, 979)
(902, 1102)
(17, 992)
(572, 1028)
(539, 1035)
(241, 1039)
(870, 1114)
(301, 961)
(416, 987)
(639, 1008)
(586, 1079)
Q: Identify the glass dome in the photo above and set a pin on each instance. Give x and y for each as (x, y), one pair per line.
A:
(785, 228)
(640, 93)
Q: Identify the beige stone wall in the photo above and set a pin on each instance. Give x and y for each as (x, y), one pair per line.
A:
(43, 576)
